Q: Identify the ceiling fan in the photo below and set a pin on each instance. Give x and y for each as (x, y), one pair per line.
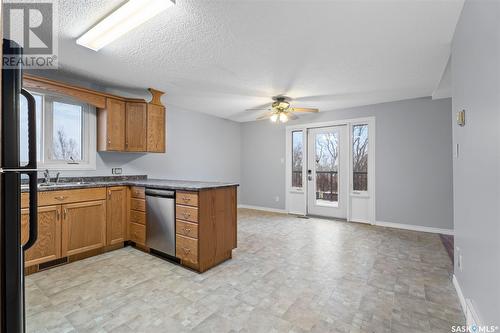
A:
(281, 111)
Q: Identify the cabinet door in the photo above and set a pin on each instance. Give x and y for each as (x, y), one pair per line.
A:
(83, 227)
(116, 229)
(136, 127)
(48, 244)
(115, 124)
(156, 128)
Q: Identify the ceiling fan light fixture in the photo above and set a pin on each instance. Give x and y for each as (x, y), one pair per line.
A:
(274, 118)
(129, 16)
(283, 105)
(283, 117)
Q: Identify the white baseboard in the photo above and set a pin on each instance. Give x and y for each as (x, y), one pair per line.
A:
(415, 227)
(461, 297)
(265, 209)
(471, 316)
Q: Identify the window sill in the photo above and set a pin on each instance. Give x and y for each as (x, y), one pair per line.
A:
(68, 167)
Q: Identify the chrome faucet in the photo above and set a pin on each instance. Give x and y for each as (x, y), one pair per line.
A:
(57, 177)
(46, 176)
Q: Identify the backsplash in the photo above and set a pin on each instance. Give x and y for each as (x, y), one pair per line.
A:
(91, 179)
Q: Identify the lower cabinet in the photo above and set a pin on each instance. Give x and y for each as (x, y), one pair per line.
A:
(116, 210)
(48, 244)
(83, 227)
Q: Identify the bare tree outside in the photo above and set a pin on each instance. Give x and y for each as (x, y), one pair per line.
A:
(65, 148)
(327, 166)
(360, 157)
(297, 158)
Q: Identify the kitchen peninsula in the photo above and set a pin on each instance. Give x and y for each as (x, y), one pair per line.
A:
(82, 217)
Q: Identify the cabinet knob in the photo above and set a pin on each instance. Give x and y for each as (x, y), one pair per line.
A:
(186, 215)
(186, 251)
(187, 230)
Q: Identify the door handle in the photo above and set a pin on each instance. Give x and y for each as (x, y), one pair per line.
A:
(33, 210)
(31, 130)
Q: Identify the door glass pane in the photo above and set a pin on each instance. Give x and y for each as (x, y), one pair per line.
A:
(327, 168)
(67, 132)
(297, 158)
(360, 157)
(23, 119)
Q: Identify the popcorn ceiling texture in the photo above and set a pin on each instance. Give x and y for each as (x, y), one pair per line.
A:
(222, 57)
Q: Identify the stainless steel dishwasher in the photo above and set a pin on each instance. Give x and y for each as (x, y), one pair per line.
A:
(160, 210)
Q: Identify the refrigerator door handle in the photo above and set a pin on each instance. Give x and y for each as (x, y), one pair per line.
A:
(33, 175)
(33, 211)
(31, 130)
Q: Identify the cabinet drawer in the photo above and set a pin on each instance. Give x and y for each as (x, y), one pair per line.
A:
(186, 248)
(138, 204)
(186, 213)
(137, 217)
(187, 198)
(49, 198)
(186, 229)
(137, 233)
(137, 192)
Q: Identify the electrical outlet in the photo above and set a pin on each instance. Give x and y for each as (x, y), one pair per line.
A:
(116, 171)
(277, 198)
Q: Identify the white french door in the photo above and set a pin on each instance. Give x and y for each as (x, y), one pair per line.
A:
(328, 171)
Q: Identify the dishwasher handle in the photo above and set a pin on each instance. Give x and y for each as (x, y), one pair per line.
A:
(160, 193)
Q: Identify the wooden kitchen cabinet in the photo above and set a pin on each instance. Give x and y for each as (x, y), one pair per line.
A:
(206, 226)
(111, 126)
(156, 128)
(48, 244)
(137, 214)
(136, 127)
(116, 211)
(83, 227)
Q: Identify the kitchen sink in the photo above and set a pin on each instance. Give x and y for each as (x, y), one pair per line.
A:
(44, 185)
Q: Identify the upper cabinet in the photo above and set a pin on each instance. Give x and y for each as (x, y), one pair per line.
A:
(136, 120)
(123, 124)
(156, 123)
(111, 126)
(132, 126)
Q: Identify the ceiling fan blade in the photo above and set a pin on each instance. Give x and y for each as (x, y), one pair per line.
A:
(304, 110)
(268, 109)
(266, 115)
(292, 116)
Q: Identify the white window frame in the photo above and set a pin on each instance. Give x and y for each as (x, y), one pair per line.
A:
(359, 193)
(88, 146)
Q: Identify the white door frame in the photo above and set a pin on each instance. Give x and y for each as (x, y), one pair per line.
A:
(299, 195)
(313, 208)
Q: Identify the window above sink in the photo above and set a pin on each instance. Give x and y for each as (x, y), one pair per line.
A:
(66, 131)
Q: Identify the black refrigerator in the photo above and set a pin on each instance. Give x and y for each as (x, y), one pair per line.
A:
(12, 171)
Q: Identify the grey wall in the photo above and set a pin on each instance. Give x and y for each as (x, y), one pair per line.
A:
(476, 88)
(413, 161)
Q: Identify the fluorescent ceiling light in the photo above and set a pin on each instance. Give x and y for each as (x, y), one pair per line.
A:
(129, 16)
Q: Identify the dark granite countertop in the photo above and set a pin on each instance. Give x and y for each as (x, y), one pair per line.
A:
(92, 182)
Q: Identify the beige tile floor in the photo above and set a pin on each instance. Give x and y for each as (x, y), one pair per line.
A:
(287, 275)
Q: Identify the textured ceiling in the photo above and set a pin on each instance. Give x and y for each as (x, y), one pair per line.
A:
(222, 57)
